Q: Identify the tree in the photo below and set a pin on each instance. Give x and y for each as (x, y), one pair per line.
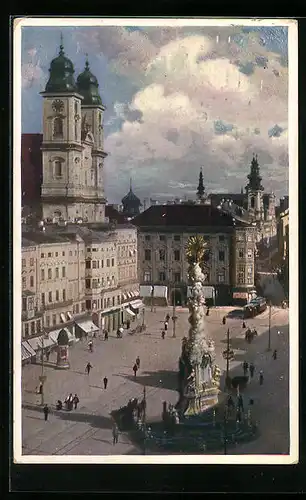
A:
(201, 188)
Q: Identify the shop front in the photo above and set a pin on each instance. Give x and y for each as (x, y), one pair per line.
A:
(111, 319)
(85, 327)
(243, 295)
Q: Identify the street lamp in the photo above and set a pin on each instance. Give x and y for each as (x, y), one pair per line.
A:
(228, 354)
(174, 317)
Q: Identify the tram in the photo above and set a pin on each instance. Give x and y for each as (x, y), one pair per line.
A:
(254, 307)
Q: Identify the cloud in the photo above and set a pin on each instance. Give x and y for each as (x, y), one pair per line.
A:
(275, 131)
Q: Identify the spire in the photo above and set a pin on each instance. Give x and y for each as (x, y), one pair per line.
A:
(131, 184)
(201, 188)
(254, 177)
(86, 62)
(241, 190)
(61, 52)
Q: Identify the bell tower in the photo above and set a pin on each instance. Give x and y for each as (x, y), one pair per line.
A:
(254, 190)
(61, 147)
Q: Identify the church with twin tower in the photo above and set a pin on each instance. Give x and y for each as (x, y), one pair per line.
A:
(72, 148)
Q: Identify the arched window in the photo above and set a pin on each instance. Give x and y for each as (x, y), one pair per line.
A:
(58, 172)
(252, 202)
(58, 127)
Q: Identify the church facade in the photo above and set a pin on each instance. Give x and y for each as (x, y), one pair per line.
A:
(72, 147)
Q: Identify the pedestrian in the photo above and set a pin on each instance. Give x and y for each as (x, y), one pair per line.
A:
(121, 332)
(46, 412)
(128, 324)
(252, 369)
(70, 402)
(163, 334)
(87, 368)
(240, 402)
(207, 311)
(135, 368)
(224, 320)
(48, 355)
(105, 335)
(167, 318)
(274, 355)
(105, 381)
(261, 378)
(118, 333)
(243, 324)
(90, 346)
(166, 326)
(59, 405)
(138, 362)
(40, 388)
(75, 401)
(115, 434)
(245, 367)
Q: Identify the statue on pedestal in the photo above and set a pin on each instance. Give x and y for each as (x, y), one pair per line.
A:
(199, 376)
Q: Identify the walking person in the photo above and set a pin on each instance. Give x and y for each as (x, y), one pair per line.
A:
(240, 402)
(90, 346)
(105, 335)
(261, 377)
(128, 324)
(135, 368)
(252, 369)
(75, 401)
(46, 412)
(121, 332)
(138, 362)
(40, 388)
(224, 320)
(70, 402)
(167, 318)
(115, 434)
(88, 368)
(163, 334)
(105, 382)
(243, 324)
(274, 355)
(166, 326)
(245, 367)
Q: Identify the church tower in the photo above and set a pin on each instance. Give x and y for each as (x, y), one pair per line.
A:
(254, 190)
(71, 188)
(201, 188)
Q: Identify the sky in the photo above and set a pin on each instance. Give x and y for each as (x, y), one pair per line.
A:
(177, 99)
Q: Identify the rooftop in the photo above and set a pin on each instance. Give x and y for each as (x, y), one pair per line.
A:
(185, 215)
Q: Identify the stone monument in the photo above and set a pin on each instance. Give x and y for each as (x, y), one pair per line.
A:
(62, 362)
(199, 376)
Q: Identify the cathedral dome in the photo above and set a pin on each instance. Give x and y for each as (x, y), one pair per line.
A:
(61, 77)
(88, 87)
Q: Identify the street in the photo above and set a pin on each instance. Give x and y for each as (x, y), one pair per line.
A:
(88, 429)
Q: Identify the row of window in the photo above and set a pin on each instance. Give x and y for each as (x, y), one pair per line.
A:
(32, 328)
(177, 277)
(55, 254)
(102, 303)
(95, 249)
(24, 262)
(24, 282)
(98, 282)
(50, 297)
(177, 255)
(56, 273)
(95, 264)
(177, 237)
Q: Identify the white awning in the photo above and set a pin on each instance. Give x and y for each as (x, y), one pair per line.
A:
(87, 326)
(54, 334)
(137, 304)
(27, 346)
(69, 315)
(25, 353)
(129, 312)
(38, 343)
(63, 319)
(124, 296)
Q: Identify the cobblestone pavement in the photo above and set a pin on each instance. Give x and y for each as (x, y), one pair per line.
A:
(87, 430)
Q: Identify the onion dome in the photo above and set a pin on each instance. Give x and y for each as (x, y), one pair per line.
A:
(88, 87)
(61, 77)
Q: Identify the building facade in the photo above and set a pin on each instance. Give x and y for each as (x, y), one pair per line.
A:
(163, 232)
(72, 147)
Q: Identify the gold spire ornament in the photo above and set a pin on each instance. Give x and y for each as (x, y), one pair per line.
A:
(195, 248)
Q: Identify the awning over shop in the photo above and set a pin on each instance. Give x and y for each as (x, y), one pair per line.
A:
(124, 296)
(131, 313)
(69, 315)
(28, 348)
(63, 319)
(26, 351)
(136, 304)
(87, 326)
(41, 342)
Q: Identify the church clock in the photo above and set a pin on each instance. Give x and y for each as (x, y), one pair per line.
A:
(58, 105)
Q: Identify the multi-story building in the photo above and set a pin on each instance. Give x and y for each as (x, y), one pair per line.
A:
(283, 248)
(163, 232)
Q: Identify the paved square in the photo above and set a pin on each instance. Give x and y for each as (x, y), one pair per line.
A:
(87, 430)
